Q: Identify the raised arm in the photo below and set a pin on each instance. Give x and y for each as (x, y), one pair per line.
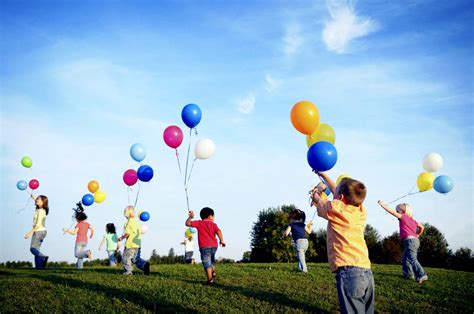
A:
(309, 227)
(389, 210)
(188, 222)
(329, 182)
(73, 232)
(101, 243)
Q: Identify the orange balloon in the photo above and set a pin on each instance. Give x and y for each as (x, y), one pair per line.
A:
(93, 186)
(305, 117)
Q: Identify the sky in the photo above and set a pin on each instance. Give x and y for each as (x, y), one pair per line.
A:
(81, 81)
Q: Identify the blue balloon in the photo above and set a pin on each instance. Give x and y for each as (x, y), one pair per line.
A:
(88, 199)
(138, 152)
(21, 185)
(322, 156)
(192, 230)
(144, 216)
(145, 173)
(443, 184)
(191, 115)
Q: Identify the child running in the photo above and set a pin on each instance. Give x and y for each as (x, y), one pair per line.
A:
(299, 231)
(39, 230)
(111, 242)
(80, 232)
(188, 247)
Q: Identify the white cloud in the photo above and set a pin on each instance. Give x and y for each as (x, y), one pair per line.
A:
(344, 26)
(271, 83)
(292, 40)
(247, 104)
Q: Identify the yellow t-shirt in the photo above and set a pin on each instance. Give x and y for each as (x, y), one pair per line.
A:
(132, 228)
(39, 219)
(345, 234)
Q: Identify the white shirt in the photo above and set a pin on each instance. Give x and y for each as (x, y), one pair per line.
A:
(188, 245)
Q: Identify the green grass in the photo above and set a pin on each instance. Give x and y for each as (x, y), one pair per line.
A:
(240, 288)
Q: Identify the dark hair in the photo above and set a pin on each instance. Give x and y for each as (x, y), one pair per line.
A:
(354, 191)
(110, 227)
(81, 216)
(206, 212)
(45, 203)
(297, 214)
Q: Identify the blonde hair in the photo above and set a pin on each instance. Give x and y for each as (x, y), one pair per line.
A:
(129, 211)
(405, 209)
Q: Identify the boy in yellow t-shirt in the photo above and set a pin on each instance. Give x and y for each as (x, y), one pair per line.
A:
(347, 252)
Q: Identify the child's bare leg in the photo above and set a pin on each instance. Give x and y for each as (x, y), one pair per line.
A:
(209, 273)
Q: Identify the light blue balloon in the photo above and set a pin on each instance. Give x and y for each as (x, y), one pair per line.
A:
(22, 185)
(138, 152)
(443, 184)
(192, 230)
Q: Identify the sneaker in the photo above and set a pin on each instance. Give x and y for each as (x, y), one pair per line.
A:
(127, 274)
(211, 282)
(146, 269)
(45, 262)
(424, 278)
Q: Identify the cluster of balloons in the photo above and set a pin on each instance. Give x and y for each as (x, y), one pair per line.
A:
(97, 196)
(433, 162)
(189, 232)
(33, 184)
(320, 137)
(144, 173)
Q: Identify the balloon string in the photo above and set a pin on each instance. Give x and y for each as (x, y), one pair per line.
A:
(128, 194)
(413, 187)
(138, 193)
(191, 171)
(404, 196)
(187, 198)
(70, 226)
(187, 157)
(179, 164)
(24, 207)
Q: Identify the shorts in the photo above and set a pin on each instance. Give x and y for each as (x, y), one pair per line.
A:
(208, 256)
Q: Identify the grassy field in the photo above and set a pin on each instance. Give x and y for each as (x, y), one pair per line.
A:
(240, 288)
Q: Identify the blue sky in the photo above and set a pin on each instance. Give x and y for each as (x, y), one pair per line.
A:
(81, 81)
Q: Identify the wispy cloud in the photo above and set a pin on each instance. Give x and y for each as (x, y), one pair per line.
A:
(246, 105)
(344, 26)
(292, 40)
(271, 83)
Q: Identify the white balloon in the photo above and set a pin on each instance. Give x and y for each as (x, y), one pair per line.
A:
(432, 162)
(205, 148)
(144, 228)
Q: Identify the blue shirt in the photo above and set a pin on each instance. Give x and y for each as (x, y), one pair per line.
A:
(297, 231)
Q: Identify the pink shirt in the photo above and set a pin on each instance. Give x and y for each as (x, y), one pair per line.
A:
(207, 231)
(82, 232)
(408, 227)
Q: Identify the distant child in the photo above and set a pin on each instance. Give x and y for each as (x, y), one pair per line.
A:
(131, 254)
(80, 231)
(299, 232)
(111, 242)
(207, 231)
(410, 230)
(347, 252)
(39, 230)
(188, 248)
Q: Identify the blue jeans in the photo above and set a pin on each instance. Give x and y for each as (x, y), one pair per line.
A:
(112, 260)
(132, 256)
(138, 260)
(355, 290)
(301, 247)
(81, 253)
(410, 264)
(208, 256)
(36, 241)
(188, 257)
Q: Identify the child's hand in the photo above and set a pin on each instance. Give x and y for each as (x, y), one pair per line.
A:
(27, 235)
(310, 223)
(222, 243)
(65, 230)
(90, 237)
(382, 203)
(191, 214)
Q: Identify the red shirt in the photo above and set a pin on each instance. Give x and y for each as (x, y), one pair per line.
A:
(408, 227)
(82, 232)
(207, 231)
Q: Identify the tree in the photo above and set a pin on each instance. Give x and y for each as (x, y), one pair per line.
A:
(372, 239)
(318, 240)
(246, 257)
(390, 250)
(433, 250)
(171, 253)
(462, 259)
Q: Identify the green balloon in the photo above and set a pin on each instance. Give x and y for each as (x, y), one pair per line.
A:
(26, 162)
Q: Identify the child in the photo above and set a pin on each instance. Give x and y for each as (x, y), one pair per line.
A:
(207, 231)
(111, 241)
(188, 247)
(39, 231)
(347, 252)
(299, 232)
(410, 230)
(131, 254)
(80, 231)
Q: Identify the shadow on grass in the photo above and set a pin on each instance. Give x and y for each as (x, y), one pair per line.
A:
(158, 305)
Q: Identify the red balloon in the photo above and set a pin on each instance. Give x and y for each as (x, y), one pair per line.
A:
(130, 177)
(34, 184)
(173, 136)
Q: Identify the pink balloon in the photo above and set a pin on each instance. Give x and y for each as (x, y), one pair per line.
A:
(130, 177)
(173, 136)
(34, 184)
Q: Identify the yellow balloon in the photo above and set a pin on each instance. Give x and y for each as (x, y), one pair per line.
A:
(99, 196)
(139, 213)
(324, 132)
(342, 176)
(305, 117)
(425, 181)
(324, 196)
(188, 234)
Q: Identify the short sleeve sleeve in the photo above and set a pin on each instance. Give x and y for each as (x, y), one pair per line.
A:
(195, 223)
(216, 228)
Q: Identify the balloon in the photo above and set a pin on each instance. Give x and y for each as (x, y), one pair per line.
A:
(305, 117)
(443, 184)
(144, 216)
(432, 162)
(173, 136)
(99, 196)
(324, 132)
(205, 148)
(192, 230)
(425, 181)
(143, 229)
(34, 184)
(327, 192)
(342, 176)
(21, 185)
(93, 186)
(188, 234)
(191, 115)
(88, 199)
(130, 177)
(26, 162)
(138, 152)
(145, 173)
(322, 156)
